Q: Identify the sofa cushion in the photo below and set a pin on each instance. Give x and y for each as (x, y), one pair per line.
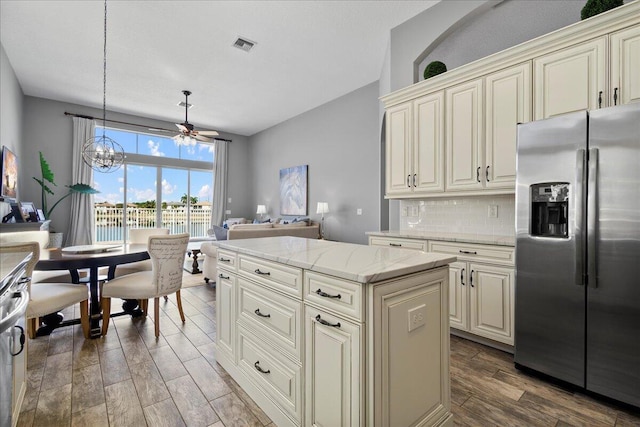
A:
(220, 232)
(251, 226)
(291, 225)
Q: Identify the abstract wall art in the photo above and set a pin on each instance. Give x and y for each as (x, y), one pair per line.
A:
(293, 190)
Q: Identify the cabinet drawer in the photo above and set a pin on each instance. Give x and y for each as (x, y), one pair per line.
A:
(420, 245)
(227, 259)
(282, 277)
(279, 378)
(272, 316)
(330, 293)
(501, 254)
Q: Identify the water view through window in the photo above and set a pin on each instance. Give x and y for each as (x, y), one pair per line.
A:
(162, 185)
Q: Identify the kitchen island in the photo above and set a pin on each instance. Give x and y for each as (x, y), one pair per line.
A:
(336, 334)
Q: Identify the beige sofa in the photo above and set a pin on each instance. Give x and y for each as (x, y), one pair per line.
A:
(251, 231)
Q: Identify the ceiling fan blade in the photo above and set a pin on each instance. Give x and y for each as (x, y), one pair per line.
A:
(202, 138)
(182, 128)
(159, 130)
(208, 132)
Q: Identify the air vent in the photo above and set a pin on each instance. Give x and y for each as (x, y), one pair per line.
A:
(183, 104)
(243, 44)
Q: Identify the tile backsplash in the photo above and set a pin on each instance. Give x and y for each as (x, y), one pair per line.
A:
(469, 215)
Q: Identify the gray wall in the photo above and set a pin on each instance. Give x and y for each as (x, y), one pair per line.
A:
(505, 25)
(340, 142)
(10, 116)
(47, 129)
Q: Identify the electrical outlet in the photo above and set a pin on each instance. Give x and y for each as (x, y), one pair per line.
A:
(405, 210)
(358, 211)
(414, 211)
(228, 212)
(417, 317)
(493, 211)
(229, 199)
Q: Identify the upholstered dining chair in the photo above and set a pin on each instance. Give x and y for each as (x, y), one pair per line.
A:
(45, 298)
(140, 236)
(165, 278)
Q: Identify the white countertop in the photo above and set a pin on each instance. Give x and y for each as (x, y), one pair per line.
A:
(447, 237)
(359, 263)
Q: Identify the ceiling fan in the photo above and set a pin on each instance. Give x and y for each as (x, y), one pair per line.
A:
(188, 135)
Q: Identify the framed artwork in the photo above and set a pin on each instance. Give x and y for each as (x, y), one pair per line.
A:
(9, 188)
(28, 211)
(293, 190)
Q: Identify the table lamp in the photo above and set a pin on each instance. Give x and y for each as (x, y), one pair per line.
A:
(262, 209)
(323, 208)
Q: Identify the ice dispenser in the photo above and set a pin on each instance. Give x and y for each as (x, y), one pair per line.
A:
(550, 209)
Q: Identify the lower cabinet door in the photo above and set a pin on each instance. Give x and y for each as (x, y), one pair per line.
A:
(458, 295)
(491, 300)
(332, 370)
(225, 314)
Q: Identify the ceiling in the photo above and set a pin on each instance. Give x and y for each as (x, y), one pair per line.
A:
(307, 53)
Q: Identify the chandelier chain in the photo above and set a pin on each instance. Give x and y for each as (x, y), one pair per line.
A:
(104, 72)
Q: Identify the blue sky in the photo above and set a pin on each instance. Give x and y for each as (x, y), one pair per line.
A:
(141, 179)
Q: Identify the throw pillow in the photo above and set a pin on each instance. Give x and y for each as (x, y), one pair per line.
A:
(220, 232)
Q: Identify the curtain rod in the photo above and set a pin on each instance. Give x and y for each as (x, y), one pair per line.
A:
(83, 116)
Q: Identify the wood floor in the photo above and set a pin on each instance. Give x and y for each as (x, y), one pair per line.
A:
(129, 379)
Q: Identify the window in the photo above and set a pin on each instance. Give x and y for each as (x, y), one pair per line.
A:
(161, 184)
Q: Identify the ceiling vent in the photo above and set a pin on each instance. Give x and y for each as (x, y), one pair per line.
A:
(243, 44)
(183, 104)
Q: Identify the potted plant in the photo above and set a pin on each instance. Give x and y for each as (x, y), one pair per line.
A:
(47, 179)
(595, 7)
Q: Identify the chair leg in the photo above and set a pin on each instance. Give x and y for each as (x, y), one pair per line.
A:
(166, 298)
(84, 317)
(32, 327)
(156, 315)
(106, 313)
(180, 305)
(144, 305)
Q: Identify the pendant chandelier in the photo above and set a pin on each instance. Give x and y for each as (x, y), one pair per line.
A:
(102, 153)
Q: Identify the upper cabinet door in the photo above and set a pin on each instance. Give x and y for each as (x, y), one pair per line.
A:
(428, 143)
(398, 150)
(571, 79)
(508, 102)
(463, 134)
(625, 66)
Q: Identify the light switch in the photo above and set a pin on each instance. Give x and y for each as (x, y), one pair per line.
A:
(493, 211)
(358, 211)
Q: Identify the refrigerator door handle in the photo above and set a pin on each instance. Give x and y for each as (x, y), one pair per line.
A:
(579, 212)
(592, 218)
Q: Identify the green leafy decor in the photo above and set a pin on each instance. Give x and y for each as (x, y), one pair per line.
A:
(48, 179)
(434, 68)
(594, 7)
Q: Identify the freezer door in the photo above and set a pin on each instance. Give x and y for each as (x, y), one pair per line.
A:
(613, 293)
(550, 293)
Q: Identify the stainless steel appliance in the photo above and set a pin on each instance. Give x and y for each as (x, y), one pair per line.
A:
(13, 305)
(577, 314)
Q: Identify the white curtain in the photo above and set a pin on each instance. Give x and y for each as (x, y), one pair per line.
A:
(81, 222)
(219, 182)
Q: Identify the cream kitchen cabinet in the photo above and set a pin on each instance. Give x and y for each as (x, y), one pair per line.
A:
(414, 150)
(365, 346)
(396, 242)
(481, 289)
(226, 305)
(571, 79)
(625, 66)
(464, 136)
(507, 103)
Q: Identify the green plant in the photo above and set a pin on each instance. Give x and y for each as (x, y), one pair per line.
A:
(47, 179)
(594, 7)
(434, 68)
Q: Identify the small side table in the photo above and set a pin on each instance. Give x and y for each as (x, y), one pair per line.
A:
(193, 250)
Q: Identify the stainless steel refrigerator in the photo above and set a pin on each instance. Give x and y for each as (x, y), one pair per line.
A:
(577, 315)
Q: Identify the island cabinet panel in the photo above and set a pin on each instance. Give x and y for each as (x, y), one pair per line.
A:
(364, 346)
(625, 66)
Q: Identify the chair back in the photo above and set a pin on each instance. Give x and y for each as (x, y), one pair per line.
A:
(141, 235)
(33, 247)
(40, 236)
(167, 257)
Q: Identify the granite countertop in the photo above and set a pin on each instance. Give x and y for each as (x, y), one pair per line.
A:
(359, 263)
(447, 237)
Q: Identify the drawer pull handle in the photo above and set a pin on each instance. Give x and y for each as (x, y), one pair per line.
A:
(222, 276)
(257, 312)
(22, 340)
(326, 295)
(262, 273)
(462, 277)
(24, 280)
(468, 252)
(325, 323)
(257, 366)
(471, 279)
(224, 259)
(395, 244)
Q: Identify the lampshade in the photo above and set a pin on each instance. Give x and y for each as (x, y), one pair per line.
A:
(323, 208)
(262, 209)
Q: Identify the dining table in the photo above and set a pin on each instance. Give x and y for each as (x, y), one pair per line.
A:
(92, 258)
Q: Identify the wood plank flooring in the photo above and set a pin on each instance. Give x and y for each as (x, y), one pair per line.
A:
(129, 378)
